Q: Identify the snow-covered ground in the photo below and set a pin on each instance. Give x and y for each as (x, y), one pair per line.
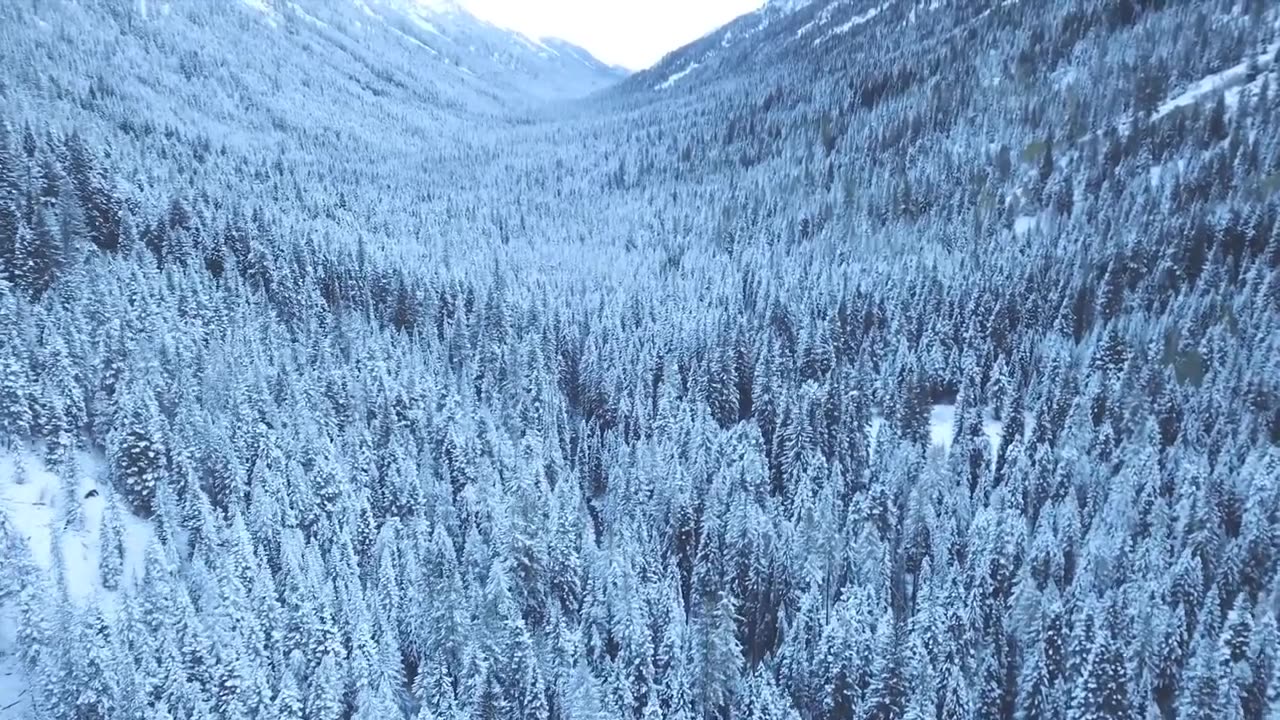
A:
(823, 18)
(678, 76)
(34, 503)
(307, 16)
(262, 7)
(1230, 80)
(415, 41)
(942, 428)
(1024, 224)
(853, 22)
(787, 6)
(431, 28)
(14, 703)
(34, 510)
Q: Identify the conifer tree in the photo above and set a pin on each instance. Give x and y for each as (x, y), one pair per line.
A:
(324, 697)
(137, 450)
(111, 548)
(288, 701)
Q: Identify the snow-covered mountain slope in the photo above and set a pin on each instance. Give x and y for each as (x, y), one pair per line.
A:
(456, 38)
(444, 48)
(759, 37)
(62, 529)
(802, 42)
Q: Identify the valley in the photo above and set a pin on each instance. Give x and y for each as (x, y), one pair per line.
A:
(862, 359)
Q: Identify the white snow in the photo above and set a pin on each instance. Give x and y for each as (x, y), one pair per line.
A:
(32, 501)
(678, 76)
(1065, 77)
(530, 43)
(307, 16)
(1229, 79)
(416, 41)
(787, 6)
(942, 427)
(823, 18)
(1024, 224)
(544, 49)
(14, 702)
(33, 511)
(262, 7)
(859, 19)
(440, 7)
(429, 27)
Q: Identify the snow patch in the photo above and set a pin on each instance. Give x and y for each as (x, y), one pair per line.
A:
(788, 6)
(942, 428)
(426, 25)
(259, 5)
(308, 16)
(415, 41)
(1024, 224)
(14, 702)
(537, 47)
(823, 18)
(678, 76)
(1064, 78)
(545, 48)
(440, 7)
(860, 19)
(1230, 80)
(39, 508)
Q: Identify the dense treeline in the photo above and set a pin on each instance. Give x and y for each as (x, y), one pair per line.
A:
(626, 411)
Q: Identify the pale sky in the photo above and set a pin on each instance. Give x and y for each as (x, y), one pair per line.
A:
(631, 33)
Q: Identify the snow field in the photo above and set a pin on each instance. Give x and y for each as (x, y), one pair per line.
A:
(34, 506)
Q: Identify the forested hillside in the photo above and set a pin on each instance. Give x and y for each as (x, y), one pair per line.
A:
(865, 360)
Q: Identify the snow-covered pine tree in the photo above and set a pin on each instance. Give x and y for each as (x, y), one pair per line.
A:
(136, 449)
